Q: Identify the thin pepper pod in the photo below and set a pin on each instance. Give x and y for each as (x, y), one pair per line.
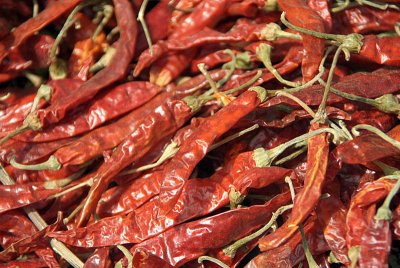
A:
(105, 107)
(303, 16)
(33, 25)
(307, 199)
(164, 120)
(112, 73)
(196, 146)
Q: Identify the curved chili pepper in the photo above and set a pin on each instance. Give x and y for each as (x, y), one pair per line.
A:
(158, 123)
(195, 147)
(363, 19)
(291, 253)
(209, 232)
(103, 108)
(142, 224)
(33, 25)
(313, 47)
(380, 50)
(113, 72)
(307, 199)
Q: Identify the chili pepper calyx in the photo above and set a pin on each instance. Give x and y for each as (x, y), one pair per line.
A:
(354, 253)
(261, 92)
(273, 31)
(32, 121)
(235, 198)
(388, 103)
(352, 43)
(51, 164)
(260, 157)
(58, 69)
(193, 102)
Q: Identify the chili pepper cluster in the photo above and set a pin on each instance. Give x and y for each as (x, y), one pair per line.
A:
(214, 133)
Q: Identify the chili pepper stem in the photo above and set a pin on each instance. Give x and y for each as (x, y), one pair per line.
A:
(203, 70)
(354, 253)
(73, 188)
(108, 11)
(234, 136)
(384, 213)
(273, 31)
(35, 9)
(350, 43)
(291, 156)
(300, 102)
(264, 158)
(356, 132)
(376, 5)
(231, 250)
(40, 224)
(231, 68)
(51, 164)
(235, 198)
(288, 180)
(244, 85)
(73, 213)
(263, 52)
(321, 116)
(140, 18)
(169, 152)
(127, 254)
(310, 260)
(213, 260)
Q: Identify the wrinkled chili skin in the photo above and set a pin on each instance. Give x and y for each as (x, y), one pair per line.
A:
(196, 146)
(175, 246)
(33, 25)
(380, 50)
(307, 199)
(300, 14)
(113, 72)
(103, 108)
(162, 121)
(108, 136)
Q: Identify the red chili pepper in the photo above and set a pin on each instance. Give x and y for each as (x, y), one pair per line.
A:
(33, 25)
(103, 108)
(292, 253)
(380, 50)
(364, 19)
(307, 199)
(195, 147)
(113, 72)
(175, 246)
(99, 258)
(313, 47)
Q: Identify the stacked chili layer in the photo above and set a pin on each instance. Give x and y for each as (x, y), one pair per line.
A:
(232, 133)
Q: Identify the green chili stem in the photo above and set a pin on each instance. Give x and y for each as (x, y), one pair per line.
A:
(353, 254)
(300, 102)
(36, 80)
(231, 250)
(88, 182)
(127, 254)
(53, 184)
(204, 98)
(169, 152)
(244, 85)
(321, 115)
(235, 198)
(108, 11)
(291, 156)
(16, 132)
(35, 10)
(213, 260)
(349, 43)
(273, 31)
(104, 60)
(203, 70)
(73, 213)
(341, 6)
(355, 131)
(234, 136)
(44, 92)
(310, 260)
(264, 158)
(263, 52)
(376, 5)
(384, 213)
(40, 224)
(140, 18)
(387, 170)
(51, 164)
(288, 180)
(231, 65)
(113, 32)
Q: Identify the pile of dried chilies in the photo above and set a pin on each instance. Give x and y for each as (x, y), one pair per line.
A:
(177, 133)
